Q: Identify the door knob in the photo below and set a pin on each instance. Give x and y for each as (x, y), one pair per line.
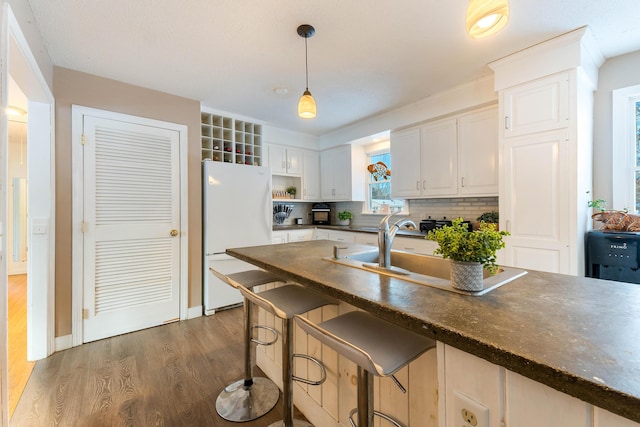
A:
(174, 233)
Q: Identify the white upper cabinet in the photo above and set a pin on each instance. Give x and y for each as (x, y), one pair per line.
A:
(451, 157)
(405, 150)
(310, 175)
(478, 153)
(537, 106)
(285, 160)
(438, 157)
(342, 174)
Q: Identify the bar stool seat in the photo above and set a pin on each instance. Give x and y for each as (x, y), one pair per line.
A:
(376, 346)
(286, 302)
(251, 397)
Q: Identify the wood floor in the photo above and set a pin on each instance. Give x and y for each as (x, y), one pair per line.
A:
(164, 376)
(19, 368)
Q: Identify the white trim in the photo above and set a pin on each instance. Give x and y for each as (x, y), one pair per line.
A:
(41, 314)
(623, 148)
(64, 342)
(77, 114)
(194, 312)
(4, 152)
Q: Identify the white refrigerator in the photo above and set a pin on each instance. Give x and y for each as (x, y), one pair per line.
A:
(236, 212)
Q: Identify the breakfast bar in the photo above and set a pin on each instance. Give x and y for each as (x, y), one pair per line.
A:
(579, 336)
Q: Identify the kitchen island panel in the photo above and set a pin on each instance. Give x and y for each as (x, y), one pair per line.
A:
(580, 336)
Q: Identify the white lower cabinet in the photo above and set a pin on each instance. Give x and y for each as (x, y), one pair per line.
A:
(369, 239)
(342, 236)
(278, 237)
(414, 244)
(287, 236)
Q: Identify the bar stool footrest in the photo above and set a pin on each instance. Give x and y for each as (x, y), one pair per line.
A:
(323, 371)
(266, 328)
(377, 414)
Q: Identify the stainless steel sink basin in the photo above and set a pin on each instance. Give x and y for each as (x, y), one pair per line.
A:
(423, 269)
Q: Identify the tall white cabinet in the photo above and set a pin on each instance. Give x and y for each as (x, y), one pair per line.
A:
(546, 113)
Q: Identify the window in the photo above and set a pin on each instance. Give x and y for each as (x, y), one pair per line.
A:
(379, 190)
(626, 149)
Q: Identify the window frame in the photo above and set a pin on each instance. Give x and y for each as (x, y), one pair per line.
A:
(624, 147)
(374, 150)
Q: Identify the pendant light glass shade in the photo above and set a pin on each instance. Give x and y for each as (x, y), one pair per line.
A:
(486, 17)
(307, 106)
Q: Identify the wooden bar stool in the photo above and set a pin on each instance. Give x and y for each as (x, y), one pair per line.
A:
(376, 346)
(285, 302)
(251, 397)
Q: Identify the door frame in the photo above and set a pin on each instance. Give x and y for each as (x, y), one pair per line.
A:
(17, 58)
(77, 197)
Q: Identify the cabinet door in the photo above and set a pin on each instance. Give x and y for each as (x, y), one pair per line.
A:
(415, 245)
(405, 153)
(478, 153)
(370, 239)
(310, 175)
(278, 237)
(277, 159)
(342, 236)
(439, 159)
(300, 235)
(294, 161)
(534, 202)
(335, 174)
(538, 106)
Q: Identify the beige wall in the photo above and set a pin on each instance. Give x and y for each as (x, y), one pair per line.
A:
(73, 87)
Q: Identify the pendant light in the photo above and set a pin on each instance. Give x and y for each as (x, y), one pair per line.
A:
(486, 17)
(306, 105)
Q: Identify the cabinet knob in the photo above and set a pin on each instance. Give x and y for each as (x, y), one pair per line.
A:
(174, 233)
(417, 185)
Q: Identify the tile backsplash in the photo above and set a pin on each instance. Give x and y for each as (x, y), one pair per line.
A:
(468, 208)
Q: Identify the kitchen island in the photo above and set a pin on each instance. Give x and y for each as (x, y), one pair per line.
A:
(579, 336)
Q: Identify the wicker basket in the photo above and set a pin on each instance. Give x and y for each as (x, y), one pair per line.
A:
(617, 220)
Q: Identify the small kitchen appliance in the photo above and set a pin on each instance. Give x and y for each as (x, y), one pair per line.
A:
(613, 255)
(320, 214)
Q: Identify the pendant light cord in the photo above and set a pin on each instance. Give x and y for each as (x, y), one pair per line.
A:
(306, 61)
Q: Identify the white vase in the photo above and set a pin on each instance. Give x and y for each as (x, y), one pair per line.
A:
(466, 276)
(343, 221)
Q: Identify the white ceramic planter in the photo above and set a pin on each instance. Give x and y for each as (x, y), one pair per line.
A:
(344, 221)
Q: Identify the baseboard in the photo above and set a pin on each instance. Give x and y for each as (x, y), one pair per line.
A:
(193, 312)
(64, 342)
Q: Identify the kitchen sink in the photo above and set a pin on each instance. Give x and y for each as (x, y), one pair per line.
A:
(424, 270)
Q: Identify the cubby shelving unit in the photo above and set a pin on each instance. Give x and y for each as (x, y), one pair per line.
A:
(229, 140)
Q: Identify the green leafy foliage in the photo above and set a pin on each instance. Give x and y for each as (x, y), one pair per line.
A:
(344, 215)
(490, 217)
(458, 243)
(599, 204)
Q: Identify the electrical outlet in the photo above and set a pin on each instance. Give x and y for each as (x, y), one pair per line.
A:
(468, 412)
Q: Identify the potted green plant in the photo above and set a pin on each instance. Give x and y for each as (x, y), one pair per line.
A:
(344, 217)
(489, 217)
(292, 191)
(470, 252)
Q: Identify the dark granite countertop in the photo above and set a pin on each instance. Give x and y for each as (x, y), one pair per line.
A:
(578, 335)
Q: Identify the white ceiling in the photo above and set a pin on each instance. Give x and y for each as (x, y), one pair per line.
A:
(366, 57)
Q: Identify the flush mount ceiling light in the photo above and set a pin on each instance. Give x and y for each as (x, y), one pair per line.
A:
(15, 111)
(486, 17)
(306, 105)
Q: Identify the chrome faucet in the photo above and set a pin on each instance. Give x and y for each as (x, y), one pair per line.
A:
(386, 235)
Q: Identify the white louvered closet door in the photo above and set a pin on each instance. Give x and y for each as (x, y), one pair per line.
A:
(131, 239)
